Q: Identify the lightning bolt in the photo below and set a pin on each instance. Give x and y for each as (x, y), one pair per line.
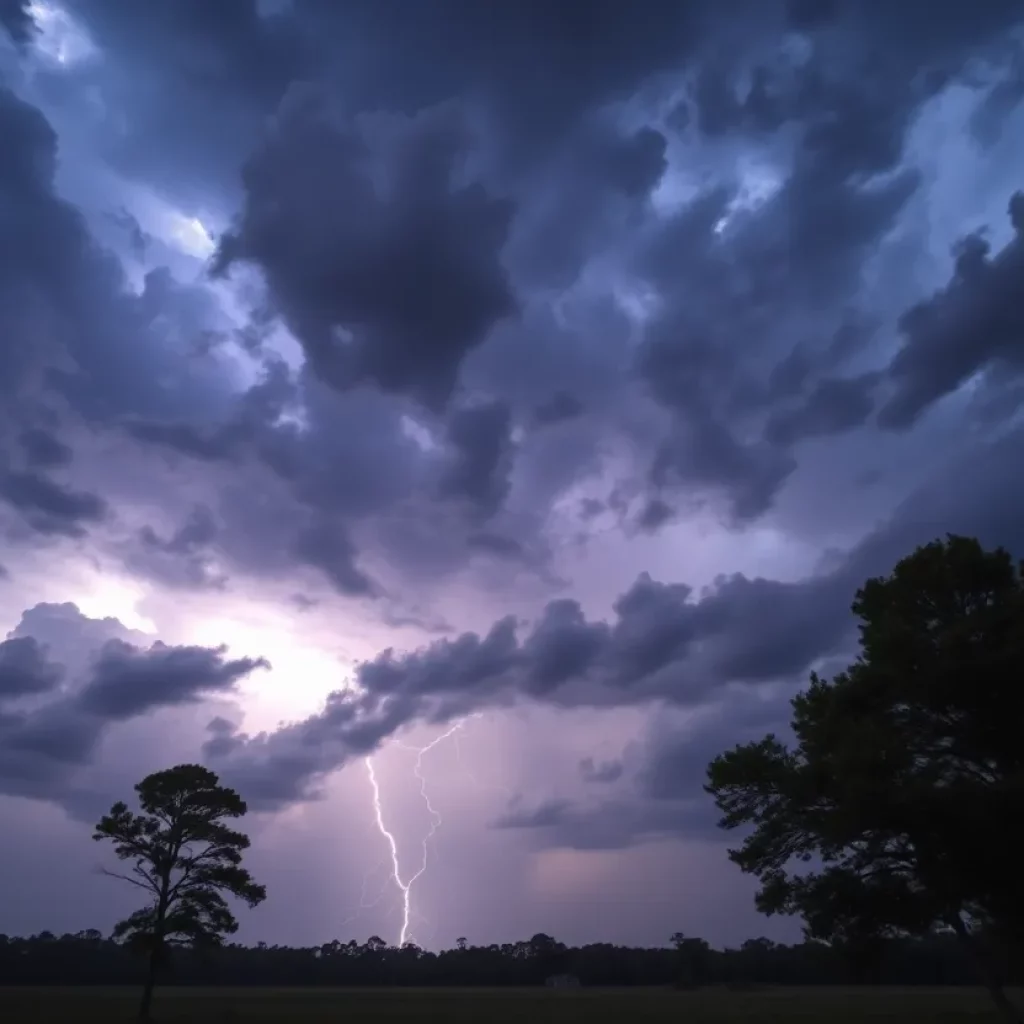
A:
(364, 902)
(405, 886)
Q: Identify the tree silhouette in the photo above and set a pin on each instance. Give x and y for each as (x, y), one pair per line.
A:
(185, 858)
(694, 957)
(906, 780)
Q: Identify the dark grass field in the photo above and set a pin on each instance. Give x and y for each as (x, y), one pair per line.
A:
(498, 1006)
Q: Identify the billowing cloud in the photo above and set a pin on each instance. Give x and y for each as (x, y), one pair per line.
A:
(100, 679)
(72, 298)
(383, 263)
(665, 645)
(50, 507)
(43, 449)
(25, 668)
(973, 325)
(480, 439)
(126, 681)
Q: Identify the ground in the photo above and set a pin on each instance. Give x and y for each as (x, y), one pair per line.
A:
(497, 1006)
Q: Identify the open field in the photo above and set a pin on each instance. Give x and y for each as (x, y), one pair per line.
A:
(497, 1006)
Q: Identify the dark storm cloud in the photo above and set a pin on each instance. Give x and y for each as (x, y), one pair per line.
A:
(70, 325)
(16, 19)
(221, 731)
(385, 238)
(596, 185)
(655, 514)
(25, 668)
(383, 261)
(481, 443)
(741, 284)
(192, 82)
(327, 546)
(349, 459)
(1005, 96)
(351, 466)
(702, 450)
(126, 681)
(834, 406)
(209, 79)
(288, 765)
(43, 449)
(544, 815)
(50, 507)
(661, 646)
(183, 557)
(40, 750)
(245, 426)
(91, 677)
(546, 366)
(497, 545)
(762, 277)
(561, 406)
(195, 442)
(538, 68)
(975, 323)
(677, 762)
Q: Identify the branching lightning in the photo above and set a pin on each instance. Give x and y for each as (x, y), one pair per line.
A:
(405, 885)
(364, 902)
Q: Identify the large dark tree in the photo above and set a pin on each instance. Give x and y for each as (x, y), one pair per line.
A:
(185, 858)
(897, 810)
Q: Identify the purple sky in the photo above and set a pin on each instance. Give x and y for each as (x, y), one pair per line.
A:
(555, 371)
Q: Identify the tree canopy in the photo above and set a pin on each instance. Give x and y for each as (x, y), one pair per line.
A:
(895, 809)
(184, 857)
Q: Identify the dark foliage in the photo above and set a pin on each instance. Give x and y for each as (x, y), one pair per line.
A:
(896, 810)
(87, 958)
(185, 859)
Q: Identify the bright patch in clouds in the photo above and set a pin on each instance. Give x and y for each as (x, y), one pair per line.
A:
(757, 184)
(302, 674)
(191, 235)
(115, 599)
(418, 433)
(59, 38)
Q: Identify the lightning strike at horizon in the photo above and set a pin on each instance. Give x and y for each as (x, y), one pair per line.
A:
(405, 887)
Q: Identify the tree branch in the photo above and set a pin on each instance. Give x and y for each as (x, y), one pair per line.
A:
(127, 878)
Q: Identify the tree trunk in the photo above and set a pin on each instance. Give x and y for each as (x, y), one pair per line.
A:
(986, 972)
(147, 991)
(157, 950)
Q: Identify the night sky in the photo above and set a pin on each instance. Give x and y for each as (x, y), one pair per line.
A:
(549, 371)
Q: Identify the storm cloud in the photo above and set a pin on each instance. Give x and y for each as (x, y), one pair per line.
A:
(106, 680)
(665, 645)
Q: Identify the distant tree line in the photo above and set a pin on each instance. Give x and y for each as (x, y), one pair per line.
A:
(87, 958)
